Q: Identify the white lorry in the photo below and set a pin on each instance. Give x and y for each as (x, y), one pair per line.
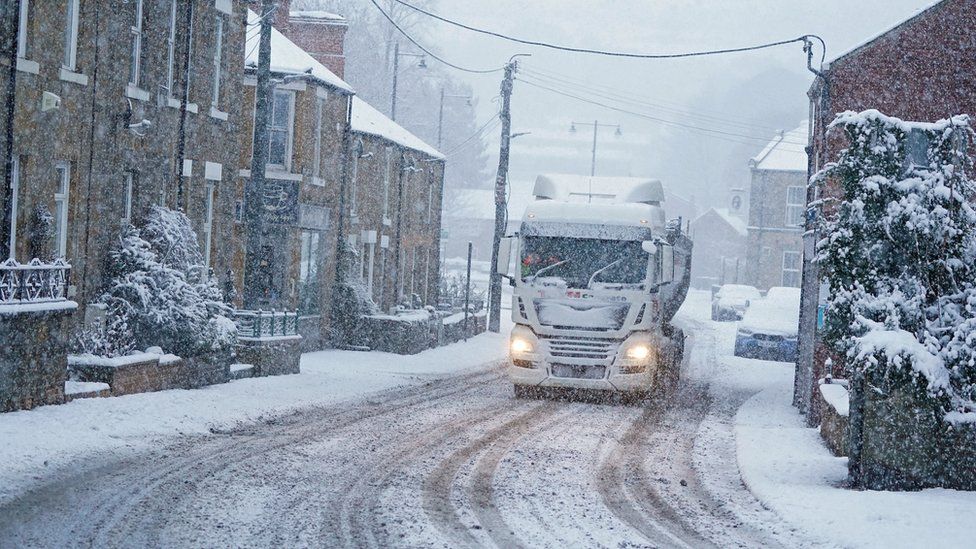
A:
(600, 273)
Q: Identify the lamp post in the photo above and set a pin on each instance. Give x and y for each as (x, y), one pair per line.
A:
(596, 126)
(440, 117)
(396, 69)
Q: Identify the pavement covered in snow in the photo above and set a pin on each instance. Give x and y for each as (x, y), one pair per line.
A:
(373, 449)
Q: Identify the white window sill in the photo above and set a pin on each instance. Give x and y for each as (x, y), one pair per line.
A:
(218, 114)
(387, 221)
(192, 107)
(317, 181)
(223, 6)
(135, 92)
(353, 218)
(274, 173)
(173, 103)
(73, 77)
(28, 66)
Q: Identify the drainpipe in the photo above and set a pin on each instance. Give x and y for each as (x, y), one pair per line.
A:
(181, 142)
(8, 150)
(399, 232)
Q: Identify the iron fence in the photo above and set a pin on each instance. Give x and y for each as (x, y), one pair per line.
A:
(259, 324)
(34, 282)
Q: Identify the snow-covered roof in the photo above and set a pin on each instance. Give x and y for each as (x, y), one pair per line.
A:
(316, 14)
(368, 120)
(734, 221)
(286, 57)
(598, 189)
(621, 215)
(786, 152)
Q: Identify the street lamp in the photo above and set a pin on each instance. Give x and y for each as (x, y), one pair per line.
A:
(440, 118)
(396, 68)
(596, 126)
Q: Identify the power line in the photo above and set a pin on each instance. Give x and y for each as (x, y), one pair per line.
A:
(487, 127)
(718, 134)
(427, 51)
(805, 38)
(634, 100)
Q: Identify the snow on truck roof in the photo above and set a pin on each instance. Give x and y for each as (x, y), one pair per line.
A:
(287, 57)
(580, 188)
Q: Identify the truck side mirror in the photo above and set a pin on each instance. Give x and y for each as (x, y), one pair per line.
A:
(667, 263)
(504, 255)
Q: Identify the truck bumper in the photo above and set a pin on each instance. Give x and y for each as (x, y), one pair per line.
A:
(540, 377)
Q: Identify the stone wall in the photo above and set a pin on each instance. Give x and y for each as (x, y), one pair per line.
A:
(271, 356)
(33, 357)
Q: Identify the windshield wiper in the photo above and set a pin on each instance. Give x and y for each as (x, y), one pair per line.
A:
(592, 278)
(550, 267)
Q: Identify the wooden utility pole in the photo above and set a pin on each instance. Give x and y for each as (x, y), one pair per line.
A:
(254, 192)
(495, 294)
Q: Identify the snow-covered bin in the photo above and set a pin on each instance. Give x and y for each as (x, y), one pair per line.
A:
(835, 410)
(34, 323)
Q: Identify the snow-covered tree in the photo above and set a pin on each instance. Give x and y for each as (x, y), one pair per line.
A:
(159, 293)
(898, 254)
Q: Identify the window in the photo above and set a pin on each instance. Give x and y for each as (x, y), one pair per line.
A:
(796, 206)
(791, 269)
(171, 50)
(136, 32)
(208, 226)
(14, 191)
(386, 183)
(22, 29)
(127, 207)
(189, 54)
(218, 58)
(317, 156)
(308, 275)
(280, 129)
(71, 36)
(63, 171)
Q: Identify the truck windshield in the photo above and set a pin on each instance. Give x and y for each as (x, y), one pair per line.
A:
(574, 261)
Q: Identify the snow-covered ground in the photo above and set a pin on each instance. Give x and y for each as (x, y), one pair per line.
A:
(45, 441)
(786, 465)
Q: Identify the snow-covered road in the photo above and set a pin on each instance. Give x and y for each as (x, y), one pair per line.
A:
(452, 462)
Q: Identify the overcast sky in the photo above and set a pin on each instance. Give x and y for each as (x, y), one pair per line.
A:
(749, 94)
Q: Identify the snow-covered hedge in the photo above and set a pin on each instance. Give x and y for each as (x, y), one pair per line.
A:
(899, 255)
(160, 294)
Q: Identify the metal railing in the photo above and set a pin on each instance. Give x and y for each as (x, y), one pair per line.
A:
(34, 282)
(259, 324)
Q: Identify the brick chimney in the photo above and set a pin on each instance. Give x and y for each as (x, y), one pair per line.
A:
(320, 33)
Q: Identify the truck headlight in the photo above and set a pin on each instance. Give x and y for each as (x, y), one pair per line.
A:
(638, 351)
(521, 346)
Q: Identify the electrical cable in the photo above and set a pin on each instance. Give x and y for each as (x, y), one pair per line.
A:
(805, 38)
(719, 134)
(488, 126)
(427, 51)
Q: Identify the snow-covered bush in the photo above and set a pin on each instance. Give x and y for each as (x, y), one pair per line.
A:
(351, 301)
(159, 293)
(898, 254)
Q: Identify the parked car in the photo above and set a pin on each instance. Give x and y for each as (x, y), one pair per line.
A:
(768, 330)
(732, 300)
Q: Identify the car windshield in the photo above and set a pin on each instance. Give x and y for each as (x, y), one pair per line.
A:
(575, 261)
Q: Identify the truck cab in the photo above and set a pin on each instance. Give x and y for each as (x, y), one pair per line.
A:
(599, 273)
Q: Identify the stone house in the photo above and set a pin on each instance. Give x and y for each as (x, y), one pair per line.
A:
(104, 127)
(95, 148)
(777, 202)
(923, 69)
(308, 123)
(720, 236)
(396, 185)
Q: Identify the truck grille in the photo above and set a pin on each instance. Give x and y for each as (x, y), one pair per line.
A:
(577, 347)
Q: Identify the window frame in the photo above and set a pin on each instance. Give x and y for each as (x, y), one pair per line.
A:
(22, 27)
(135, 32)
(317, 149)
(208, 224)
(69, 60)
(797, 271)
(127, 204)
(62, 197)
(171, 51)
(387, 174)
(289, 130)
(218, 58)
(795, 208)
(14, 192)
